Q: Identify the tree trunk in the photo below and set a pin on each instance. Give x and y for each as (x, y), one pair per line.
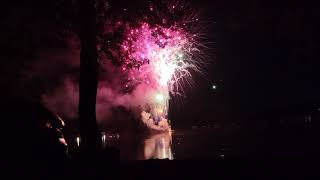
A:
(90, 137)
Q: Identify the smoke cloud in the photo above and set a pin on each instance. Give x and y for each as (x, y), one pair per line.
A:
(58, 71)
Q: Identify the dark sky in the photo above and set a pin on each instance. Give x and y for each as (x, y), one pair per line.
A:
(265, 55)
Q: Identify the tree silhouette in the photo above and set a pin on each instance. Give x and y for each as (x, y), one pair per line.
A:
(88, 77)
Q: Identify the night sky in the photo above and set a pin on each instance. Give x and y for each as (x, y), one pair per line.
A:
(265, 56)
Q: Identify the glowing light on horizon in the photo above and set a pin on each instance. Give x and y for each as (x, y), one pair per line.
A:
(214, 87)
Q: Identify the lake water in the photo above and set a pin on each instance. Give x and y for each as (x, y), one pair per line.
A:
(201, 143)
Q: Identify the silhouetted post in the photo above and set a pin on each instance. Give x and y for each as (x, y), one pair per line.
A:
(90, 137)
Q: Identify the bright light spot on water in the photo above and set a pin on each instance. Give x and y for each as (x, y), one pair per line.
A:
(78, 141)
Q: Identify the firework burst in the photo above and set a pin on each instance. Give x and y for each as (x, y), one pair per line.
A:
(159, 52)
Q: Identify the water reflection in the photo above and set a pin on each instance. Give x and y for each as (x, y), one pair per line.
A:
(106, 139)
(158, 146)
(135, 147)
(78, 141)
(103, 140)
(109, 139)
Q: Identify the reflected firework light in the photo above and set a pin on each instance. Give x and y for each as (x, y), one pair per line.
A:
(158, 147)
(103, 140)
(78, 141)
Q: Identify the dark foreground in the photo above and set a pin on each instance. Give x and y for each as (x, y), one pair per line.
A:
(166, 169)
(33, 150)
(263, 155)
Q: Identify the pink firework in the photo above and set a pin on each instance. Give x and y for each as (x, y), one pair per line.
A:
(159, 53)
(158, 57)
